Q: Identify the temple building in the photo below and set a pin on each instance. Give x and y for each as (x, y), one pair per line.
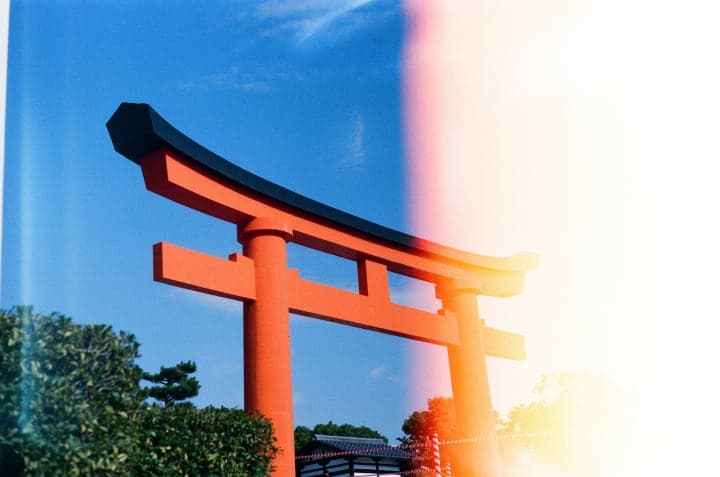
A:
(335, 456)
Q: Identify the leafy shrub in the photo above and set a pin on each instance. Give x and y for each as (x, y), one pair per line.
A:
(71, 405)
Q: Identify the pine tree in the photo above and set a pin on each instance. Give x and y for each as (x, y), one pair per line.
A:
(174, 383)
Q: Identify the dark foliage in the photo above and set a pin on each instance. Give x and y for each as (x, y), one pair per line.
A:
(303, 435)
(174, 383)
(421, 426)
(71, 405)
(569, 423)
(183, 440)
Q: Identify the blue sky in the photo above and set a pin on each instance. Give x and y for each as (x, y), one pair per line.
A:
(306, 94)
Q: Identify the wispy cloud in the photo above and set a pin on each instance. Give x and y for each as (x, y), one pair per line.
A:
(232, 78)
(381, 372)
(354, 156)
(216, 303)
(305, 19)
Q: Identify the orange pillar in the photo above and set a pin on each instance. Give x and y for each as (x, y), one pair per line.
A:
(480, 456)
(268, 379)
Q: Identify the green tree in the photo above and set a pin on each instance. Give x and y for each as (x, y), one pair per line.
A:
(208, 442)
(67, 393)
(567, 425)
(71, 405)
(303, 435)
(190, 441)
(174, 383)
(421, 426)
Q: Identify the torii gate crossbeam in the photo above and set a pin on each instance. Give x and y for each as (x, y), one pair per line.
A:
(267, 217)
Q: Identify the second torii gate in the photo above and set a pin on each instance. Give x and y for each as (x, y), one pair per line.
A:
(268, 217)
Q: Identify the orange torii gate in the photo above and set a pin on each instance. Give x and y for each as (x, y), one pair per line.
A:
(268, 217)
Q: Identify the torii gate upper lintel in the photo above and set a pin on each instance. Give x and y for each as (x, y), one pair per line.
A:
(267, 217)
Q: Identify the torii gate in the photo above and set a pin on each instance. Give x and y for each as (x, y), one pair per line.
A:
(268, 217)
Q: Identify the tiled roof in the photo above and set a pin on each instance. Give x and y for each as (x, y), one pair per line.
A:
(323, 444)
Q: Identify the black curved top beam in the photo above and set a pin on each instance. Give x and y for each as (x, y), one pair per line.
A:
(137, 130)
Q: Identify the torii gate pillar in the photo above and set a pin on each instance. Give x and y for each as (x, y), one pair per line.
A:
(266, 333)
(479, 457)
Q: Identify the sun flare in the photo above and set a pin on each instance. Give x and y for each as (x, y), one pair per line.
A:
(586, 131)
